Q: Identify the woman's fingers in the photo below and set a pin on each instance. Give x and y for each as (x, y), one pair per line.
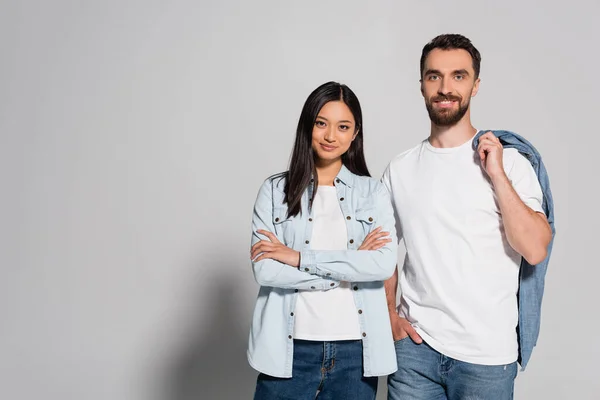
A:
(373, 232)
(268, 234)
(257, 245)
(377, 244)
(261, 243)
(369, 238)
(373, 237)
(261, 247)
(263, 256)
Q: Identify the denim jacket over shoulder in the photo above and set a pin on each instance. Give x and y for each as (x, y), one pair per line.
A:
(365, 205)
(532, 277)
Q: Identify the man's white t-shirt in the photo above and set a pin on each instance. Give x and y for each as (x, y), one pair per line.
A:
(460, 277)
(327, 315)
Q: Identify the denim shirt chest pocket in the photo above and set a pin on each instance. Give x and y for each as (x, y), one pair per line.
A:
(284, 225)
(366, 220)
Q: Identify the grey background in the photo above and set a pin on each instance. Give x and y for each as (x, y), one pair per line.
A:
(134, 136)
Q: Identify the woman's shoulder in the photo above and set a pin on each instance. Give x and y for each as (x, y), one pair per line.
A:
(272, 189)
(275, 181)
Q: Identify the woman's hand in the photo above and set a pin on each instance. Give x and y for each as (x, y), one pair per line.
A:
(274, 250)
(375, 240)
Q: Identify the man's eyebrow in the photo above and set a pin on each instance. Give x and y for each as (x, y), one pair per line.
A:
(438, 72)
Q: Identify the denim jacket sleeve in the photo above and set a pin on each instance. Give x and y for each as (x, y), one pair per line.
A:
(270, 272)
(358, 265)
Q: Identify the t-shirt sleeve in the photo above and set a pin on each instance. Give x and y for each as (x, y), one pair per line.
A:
(525, 183)
(386, 179)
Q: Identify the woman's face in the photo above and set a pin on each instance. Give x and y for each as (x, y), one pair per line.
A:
(333, 132)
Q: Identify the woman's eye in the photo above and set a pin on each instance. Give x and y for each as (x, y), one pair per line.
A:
(320, 124)
(344, 127)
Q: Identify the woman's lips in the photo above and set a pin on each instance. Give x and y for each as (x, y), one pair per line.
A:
(327, 147)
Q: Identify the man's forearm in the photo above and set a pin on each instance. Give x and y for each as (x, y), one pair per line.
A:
(527, 231)
(391, 287)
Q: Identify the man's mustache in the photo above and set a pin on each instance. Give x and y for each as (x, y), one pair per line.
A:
(446, 98)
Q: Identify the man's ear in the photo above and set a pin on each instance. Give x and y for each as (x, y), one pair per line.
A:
(475, 88)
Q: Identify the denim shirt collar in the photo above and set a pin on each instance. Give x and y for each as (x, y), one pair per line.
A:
(345, 176)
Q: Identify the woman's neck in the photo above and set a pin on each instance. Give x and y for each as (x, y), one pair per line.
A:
(327, 171)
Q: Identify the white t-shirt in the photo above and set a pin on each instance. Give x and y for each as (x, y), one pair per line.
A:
(460, 278)
(331, 314)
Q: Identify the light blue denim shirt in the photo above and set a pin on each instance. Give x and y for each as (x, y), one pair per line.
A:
(366, 205)
(532, 277)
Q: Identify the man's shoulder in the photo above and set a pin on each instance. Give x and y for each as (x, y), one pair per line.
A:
(407, 156)
(515, 162)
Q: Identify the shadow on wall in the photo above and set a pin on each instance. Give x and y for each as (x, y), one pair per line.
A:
(213, 365)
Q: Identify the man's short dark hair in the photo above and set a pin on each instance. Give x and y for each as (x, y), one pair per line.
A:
(450, 42)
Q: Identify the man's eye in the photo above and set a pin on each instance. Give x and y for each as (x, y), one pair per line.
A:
(432, 77)
(459, 77)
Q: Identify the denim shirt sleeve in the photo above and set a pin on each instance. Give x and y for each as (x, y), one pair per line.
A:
(358, 265)
(270, 272)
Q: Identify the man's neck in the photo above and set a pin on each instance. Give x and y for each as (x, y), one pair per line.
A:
(452, 136)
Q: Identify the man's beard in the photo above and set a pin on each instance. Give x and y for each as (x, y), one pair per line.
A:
(446, 117)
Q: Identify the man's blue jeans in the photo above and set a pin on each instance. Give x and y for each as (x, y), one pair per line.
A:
(425, 374)
(333, 369)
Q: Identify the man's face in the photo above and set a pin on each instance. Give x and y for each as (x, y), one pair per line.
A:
(447, 84)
